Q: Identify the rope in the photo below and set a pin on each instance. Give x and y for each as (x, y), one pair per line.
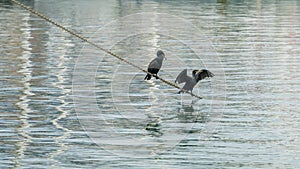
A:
(99, 47)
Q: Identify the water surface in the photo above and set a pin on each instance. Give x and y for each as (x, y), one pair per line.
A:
(65, 104)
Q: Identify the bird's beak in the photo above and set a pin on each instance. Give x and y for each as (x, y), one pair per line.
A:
(165, 57)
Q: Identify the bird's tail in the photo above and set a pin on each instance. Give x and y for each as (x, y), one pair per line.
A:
(148, 77)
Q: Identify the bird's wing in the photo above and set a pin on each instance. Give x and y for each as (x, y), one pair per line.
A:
(155, 63)
(183, 77)
(203, 74)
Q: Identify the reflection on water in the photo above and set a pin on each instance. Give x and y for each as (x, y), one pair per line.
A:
(256, 42)
(23, 104)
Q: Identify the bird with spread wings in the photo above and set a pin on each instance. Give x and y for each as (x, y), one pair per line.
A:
(190, 82)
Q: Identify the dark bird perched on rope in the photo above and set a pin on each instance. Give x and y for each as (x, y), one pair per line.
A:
(190, 82)
(155, 65)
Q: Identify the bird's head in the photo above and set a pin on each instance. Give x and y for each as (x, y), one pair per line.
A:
(195, 72)
(161, 54)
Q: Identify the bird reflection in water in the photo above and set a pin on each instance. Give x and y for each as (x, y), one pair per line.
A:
(190, 114)
(154, 128)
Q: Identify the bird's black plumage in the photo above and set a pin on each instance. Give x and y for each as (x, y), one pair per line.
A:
(190, 82)
(153, 71)
(155, 65)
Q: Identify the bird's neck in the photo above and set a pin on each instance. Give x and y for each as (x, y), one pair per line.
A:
(160, 57)
(196, 78)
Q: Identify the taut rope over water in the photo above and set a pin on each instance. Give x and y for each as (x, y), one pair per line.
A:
(99, 47)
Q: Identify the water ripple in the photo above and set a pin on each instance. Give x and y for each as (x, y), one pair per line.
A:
(257, 44)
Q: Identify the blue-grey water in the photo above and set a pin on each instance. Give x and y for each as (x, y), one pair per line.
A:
(65, 104)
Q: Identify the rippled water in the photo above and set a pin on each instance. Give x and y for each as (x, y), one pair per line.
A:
(65, 104)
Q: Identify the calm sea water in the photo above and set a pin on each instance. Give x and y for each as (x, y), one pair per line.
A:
(65, 104)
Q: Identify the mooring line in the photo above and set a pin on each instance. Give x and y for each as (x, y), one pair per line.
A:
(99, 47)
